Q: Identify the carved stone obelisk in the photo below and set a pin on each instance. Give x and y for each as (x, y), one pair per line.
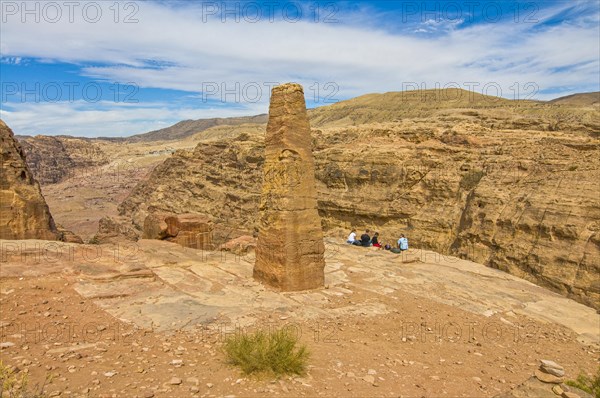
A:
(289, 251)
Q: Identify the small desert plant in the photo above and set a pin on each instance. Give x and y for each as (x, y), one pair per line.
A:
(267, 352)
(15, 386)
(588, 384)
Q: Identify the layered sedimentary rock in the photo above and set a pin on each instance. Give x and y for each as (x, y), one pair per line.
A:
(289, 250)
(24, 213)
(513, 187)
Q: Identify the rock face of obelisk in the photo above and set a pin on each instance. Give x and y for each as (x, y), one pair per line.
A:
(289, 251)
(24, 213)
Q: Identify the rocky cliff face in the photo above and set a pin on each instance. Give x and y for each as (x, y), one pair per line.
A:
(24, 213)
(53, 159)
(227, 189)
(512, 185)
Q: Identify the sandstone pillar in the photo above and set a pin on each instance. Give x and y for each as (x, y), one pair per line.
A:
(289, 251)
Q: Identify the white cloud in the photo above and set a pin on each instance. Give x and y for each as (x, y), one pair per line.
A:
(173, 48)
(11, 60)
(109, 120)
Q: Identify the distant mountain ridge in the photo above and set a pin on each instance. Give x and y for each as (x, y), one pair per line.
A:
(178, 131)
(186, 128)
(364, 108)
(581, 99)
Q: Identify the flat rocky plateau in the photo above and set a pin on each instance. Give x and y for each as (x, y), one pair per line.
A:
(148, 318)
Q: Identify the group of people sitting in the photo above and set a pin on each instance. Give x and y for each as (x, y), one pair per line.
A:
(366, 241)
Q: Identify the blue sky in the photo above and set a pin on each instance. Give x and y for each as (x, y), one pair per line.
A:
(116, 69)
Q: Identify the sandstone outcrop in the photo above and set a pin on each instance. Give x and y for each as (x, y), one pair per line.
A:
(155, 226)
(512, 187)
(112, 230)
(24, 213)
(64, 235)
(289, 250)
(188, 230)
(240, 245)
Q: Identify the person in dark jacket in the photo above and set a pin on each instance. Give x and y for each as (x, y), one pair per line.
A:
(365, 239)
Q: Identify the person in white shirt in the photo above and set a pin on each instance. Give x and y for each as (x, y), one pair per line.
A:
(402, 243)
(351, 238)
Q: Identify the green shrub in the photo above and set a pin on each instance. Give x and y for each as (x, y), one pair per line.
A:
(588, 384)
(15, 386)
(261, 352)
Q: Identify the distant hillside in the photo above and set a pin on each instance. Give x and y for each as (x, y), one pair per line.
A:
(581, 99)
(363, 109)
(387, 107)
(393, 106)
(53, 158)
(187, 128)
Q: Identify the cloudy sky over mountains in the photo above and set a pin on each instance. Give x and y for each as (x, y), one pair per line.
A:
(121, 68)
